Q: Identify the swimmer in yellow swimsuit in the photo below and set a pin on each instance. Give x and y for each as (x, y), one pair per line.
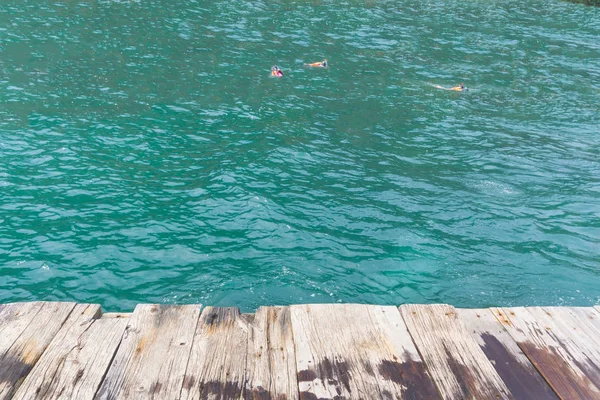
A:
(320, 64)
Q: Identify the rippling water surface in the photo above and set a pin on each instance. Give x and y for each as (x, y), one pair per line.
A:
(147, 156)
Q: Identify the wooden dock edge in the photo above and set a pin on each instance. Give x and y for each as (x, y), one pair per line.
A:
(52, 350)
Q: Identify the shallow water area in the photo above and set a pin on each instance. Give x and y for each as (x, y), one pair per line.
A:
(148, 155)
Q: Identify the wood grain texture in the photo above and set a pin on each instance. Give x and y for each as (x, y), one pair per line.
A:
(457, 364)
(351, 351)
(515, 369)
(555, 352)
(26, 332)
(152, 358)
(14, 318)
(217, 366)
(116, 315)
(76, 359)
(310, 352)
(578, 333)
(271, 361)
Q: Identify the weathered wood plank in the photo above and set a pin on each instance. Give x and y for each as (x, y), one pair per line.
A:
(578, 333)
(14, 318)
(353, 351)
(271, 362)
(217, 365)
(515, 369)
(76, 359)
(543, 342)
(573, 320)
(153, 355)
(597, 308)
(116, 315)
(26, 333)
(456, 362)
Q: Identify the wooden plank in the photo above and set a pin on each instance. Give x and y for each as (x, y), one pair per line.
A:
(217, 365)
(597, 308)
(580, 320)
(515, 369)
(456, 362)
(152, 358)
(116, 315)
(352, 351)
(578, 331)
(542, 341)
(14, 318)
(271, 361)
(76, 360)
(29, 328)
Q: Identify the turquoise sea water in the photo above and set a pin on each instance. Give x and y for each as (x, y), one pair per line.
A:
(146, 155)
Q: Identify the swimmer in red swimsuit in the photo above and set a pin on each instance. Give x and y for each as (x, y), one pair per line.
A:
(276, 71)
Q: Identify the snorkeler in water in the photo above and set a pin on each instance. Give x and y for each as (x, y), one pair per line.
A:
(319, 64)
(276, 71)
(459, 88)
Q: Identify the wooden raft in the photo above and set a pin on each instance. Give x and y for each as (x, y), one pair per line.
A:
(308, 352)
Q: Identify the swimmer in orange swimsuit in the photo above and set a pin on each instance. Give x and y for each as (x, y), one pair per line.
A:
(276, 71)
(320, 64)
